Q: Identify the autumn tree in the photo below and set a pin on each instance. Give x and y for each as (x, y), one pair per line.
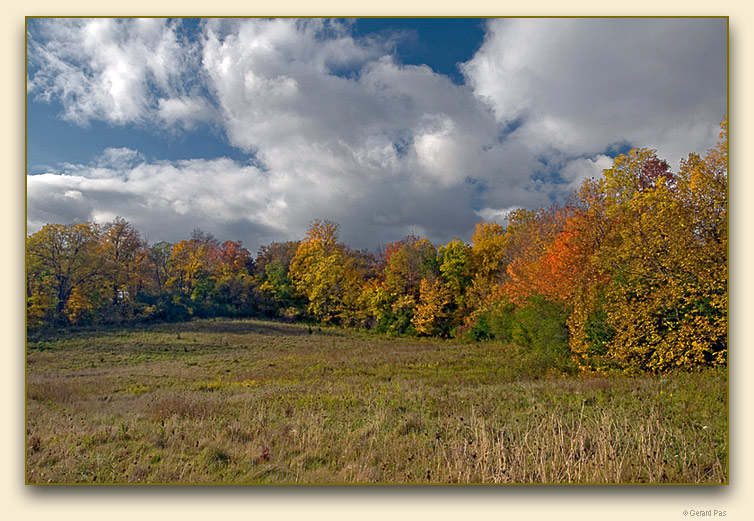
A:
(488, 245)
(530, 236)
(125, 269)
(192, 263)
(488, 270)
(282, 252)
(233, 259)
(408, 264)
(667, 300)
(574, 276)
(234, 289)
(62, 259)
(326, 275)
(454, 260)
(432, 315)
(393, 299)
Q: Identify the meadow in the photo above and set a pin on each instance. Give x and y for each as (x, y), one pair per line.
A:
(247, 401)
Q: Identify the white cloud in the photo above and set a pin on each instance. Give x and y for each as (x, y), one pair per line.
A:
(280, 92)
(73, 194)
(186, 111)
(114, 70)
(362, 147)
(576, 171)
(164, 200)
(119, 157)
(580, 85)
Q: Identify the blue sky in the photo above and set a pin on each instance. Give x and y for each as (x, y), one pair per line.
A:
(251, 128)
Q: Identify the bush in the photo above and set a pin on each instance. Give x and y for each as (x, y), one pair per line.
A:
(538, 328)
(540, 325)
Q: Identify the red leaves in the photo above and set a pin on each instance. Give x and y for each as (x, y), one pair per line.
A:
(652, 170)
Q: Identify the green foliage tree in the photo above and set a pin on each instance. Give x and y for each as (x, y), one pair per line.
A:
(278, 296)
(277, 288)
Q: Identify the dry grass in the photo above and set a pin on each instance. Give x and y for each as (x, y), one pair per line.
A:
(256, 402)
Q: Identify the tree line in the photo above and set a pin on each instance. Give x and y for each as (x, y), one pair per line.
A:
(631, 272)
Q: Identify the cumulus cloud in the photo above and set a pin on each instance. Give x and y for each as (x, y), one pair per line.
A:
(116, 70)
(166, 200)
(368, 148)
(340, 129)
(280, 89)
(580, 85)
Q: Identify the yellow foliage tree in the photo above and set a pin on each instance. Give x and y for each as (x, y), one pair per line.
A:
(667, 300)
(327, 276)
(59, 259)
(431, 315)
(192, 260)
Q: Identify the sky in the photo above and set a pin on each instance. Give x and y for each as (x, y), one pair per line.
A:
(251, 128)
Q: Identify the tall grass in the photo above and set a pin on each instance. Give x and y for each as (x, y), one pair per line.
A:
(257, 402)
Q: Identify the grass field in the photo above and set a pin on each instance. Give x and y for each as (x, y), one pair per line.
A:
(242, 401)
